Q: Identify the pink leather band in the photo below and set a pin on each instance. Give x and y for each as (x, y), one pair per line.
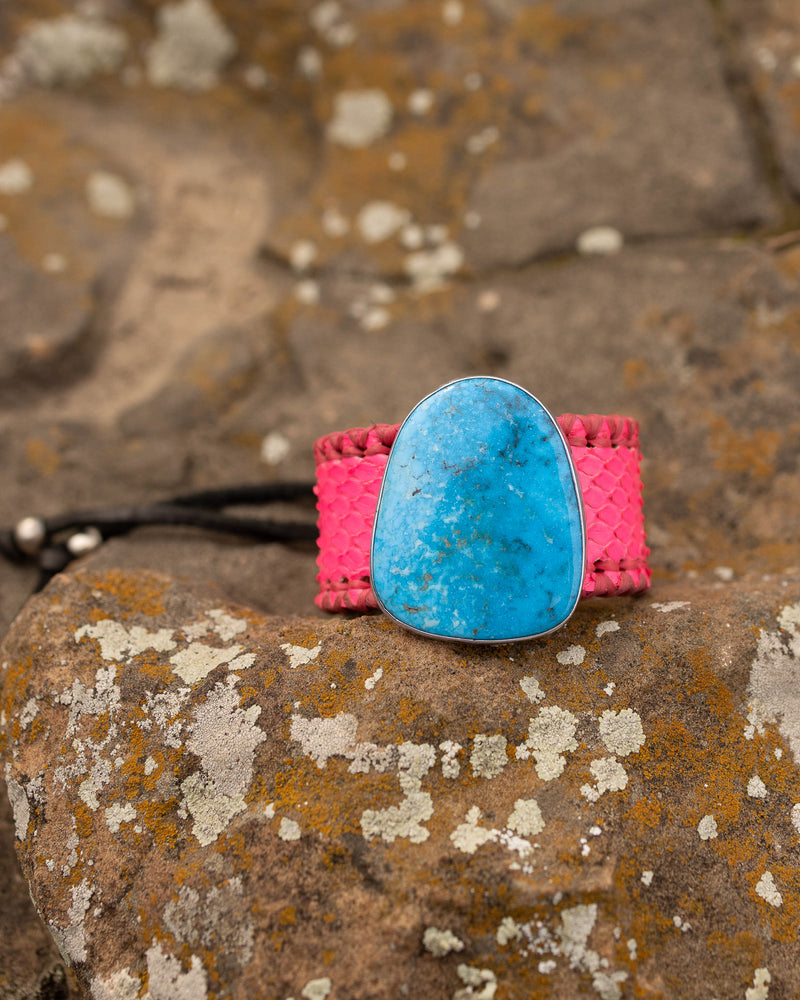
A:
(605, 450)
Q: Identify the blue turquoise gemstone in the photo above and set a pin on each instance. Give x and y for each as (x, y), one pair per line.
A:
(479, 527)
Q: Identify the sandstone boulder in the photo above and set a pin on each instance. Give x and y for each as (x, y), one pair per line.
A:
(211, 802)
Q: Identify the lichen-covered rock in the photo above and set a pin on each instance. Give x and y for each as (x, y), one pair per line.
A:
(209, 802)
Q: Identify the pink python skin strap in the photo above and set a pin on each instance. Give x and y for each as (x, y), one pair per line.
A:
(605, 450)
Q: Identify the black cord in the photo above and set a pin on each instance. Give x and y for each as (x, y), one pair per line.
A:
(197, 510)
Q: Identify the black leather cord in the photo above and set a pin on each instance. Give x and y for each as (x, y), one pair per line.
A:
(202, 509)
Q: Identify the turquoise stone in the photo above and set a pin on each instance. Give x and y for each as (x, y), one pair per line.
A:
(479, 527)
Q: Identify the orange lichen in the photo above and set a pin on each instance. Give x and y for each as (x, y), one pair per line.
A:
(750, 453)
(159, 818)
(136, 593)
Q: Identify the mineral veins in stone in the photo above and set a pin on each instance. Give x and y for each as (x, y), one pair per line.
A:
(478, 532)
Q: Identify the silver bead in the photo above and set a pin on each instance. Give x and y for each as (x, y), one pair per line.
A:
(84, 542)
(29, 535)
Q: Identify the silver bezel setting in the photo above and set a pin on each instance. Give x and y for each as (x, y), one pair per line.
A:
(581, 514)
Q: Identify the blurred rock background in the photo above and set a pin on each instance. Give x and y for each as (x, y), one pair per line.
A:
(228, 228)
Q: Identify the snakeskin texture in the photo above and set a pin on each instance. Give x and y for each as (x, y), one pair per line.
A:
(350, 467)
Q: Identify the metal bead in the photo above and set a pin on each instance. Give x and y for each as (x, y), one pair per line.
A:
(30, 534)
(84, 542)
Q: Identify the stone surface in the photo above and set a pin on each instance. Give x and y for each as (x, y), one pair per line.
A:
(769, 47)
(352, 279)
(478, 531)
(246, 806)
(542, 121)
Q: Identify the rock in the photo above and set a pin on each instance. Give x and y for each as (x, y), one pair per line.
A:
(212, 374)
(415, 265)
(519, 127)
(696, 171)
(44, 321)
(210, 801)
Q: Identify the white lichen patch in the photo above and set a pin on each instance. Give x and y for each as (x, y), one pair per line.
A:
(421, 101)
(488, 757)
(428, 269)
(192, 47)
(120, 643)
(210, 810)
(16, 177)
(71, 49)
(604, 627)
(103, 698)
(577, 923)
(373, 679)
(300, 655)
(452, 12)
(29, 712)
(224, 737)
(551, 734)
(71, 939)
(508, 931)
(774, 689)
(760, 988)
(647, 877)
(666, 607)
(609, 775)
(469, 836)
(334, 222)
(756, 788)
(572, 656)
(403, 820)
(165, 710)
(120, 985)
(532, 689)
(289, 829)
(767, 890)
(450, 766)
(118, 814)
(599, 240)
(196, 662)
(479, 984)
(321, 738)
(110, 195)
(302, 255)
(406, 818)
(216, 918)
(794, 815)
(707, 828)
(168, 981)
(526, 818)
(441, 943)
(360, 117)
(622, 731)
(226, 626)
(99, 776)
(19, 804)
(379, 220)
(317, 989)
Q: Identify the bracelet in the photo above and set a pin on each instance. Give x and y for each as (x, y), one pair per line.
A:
(605, 456)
